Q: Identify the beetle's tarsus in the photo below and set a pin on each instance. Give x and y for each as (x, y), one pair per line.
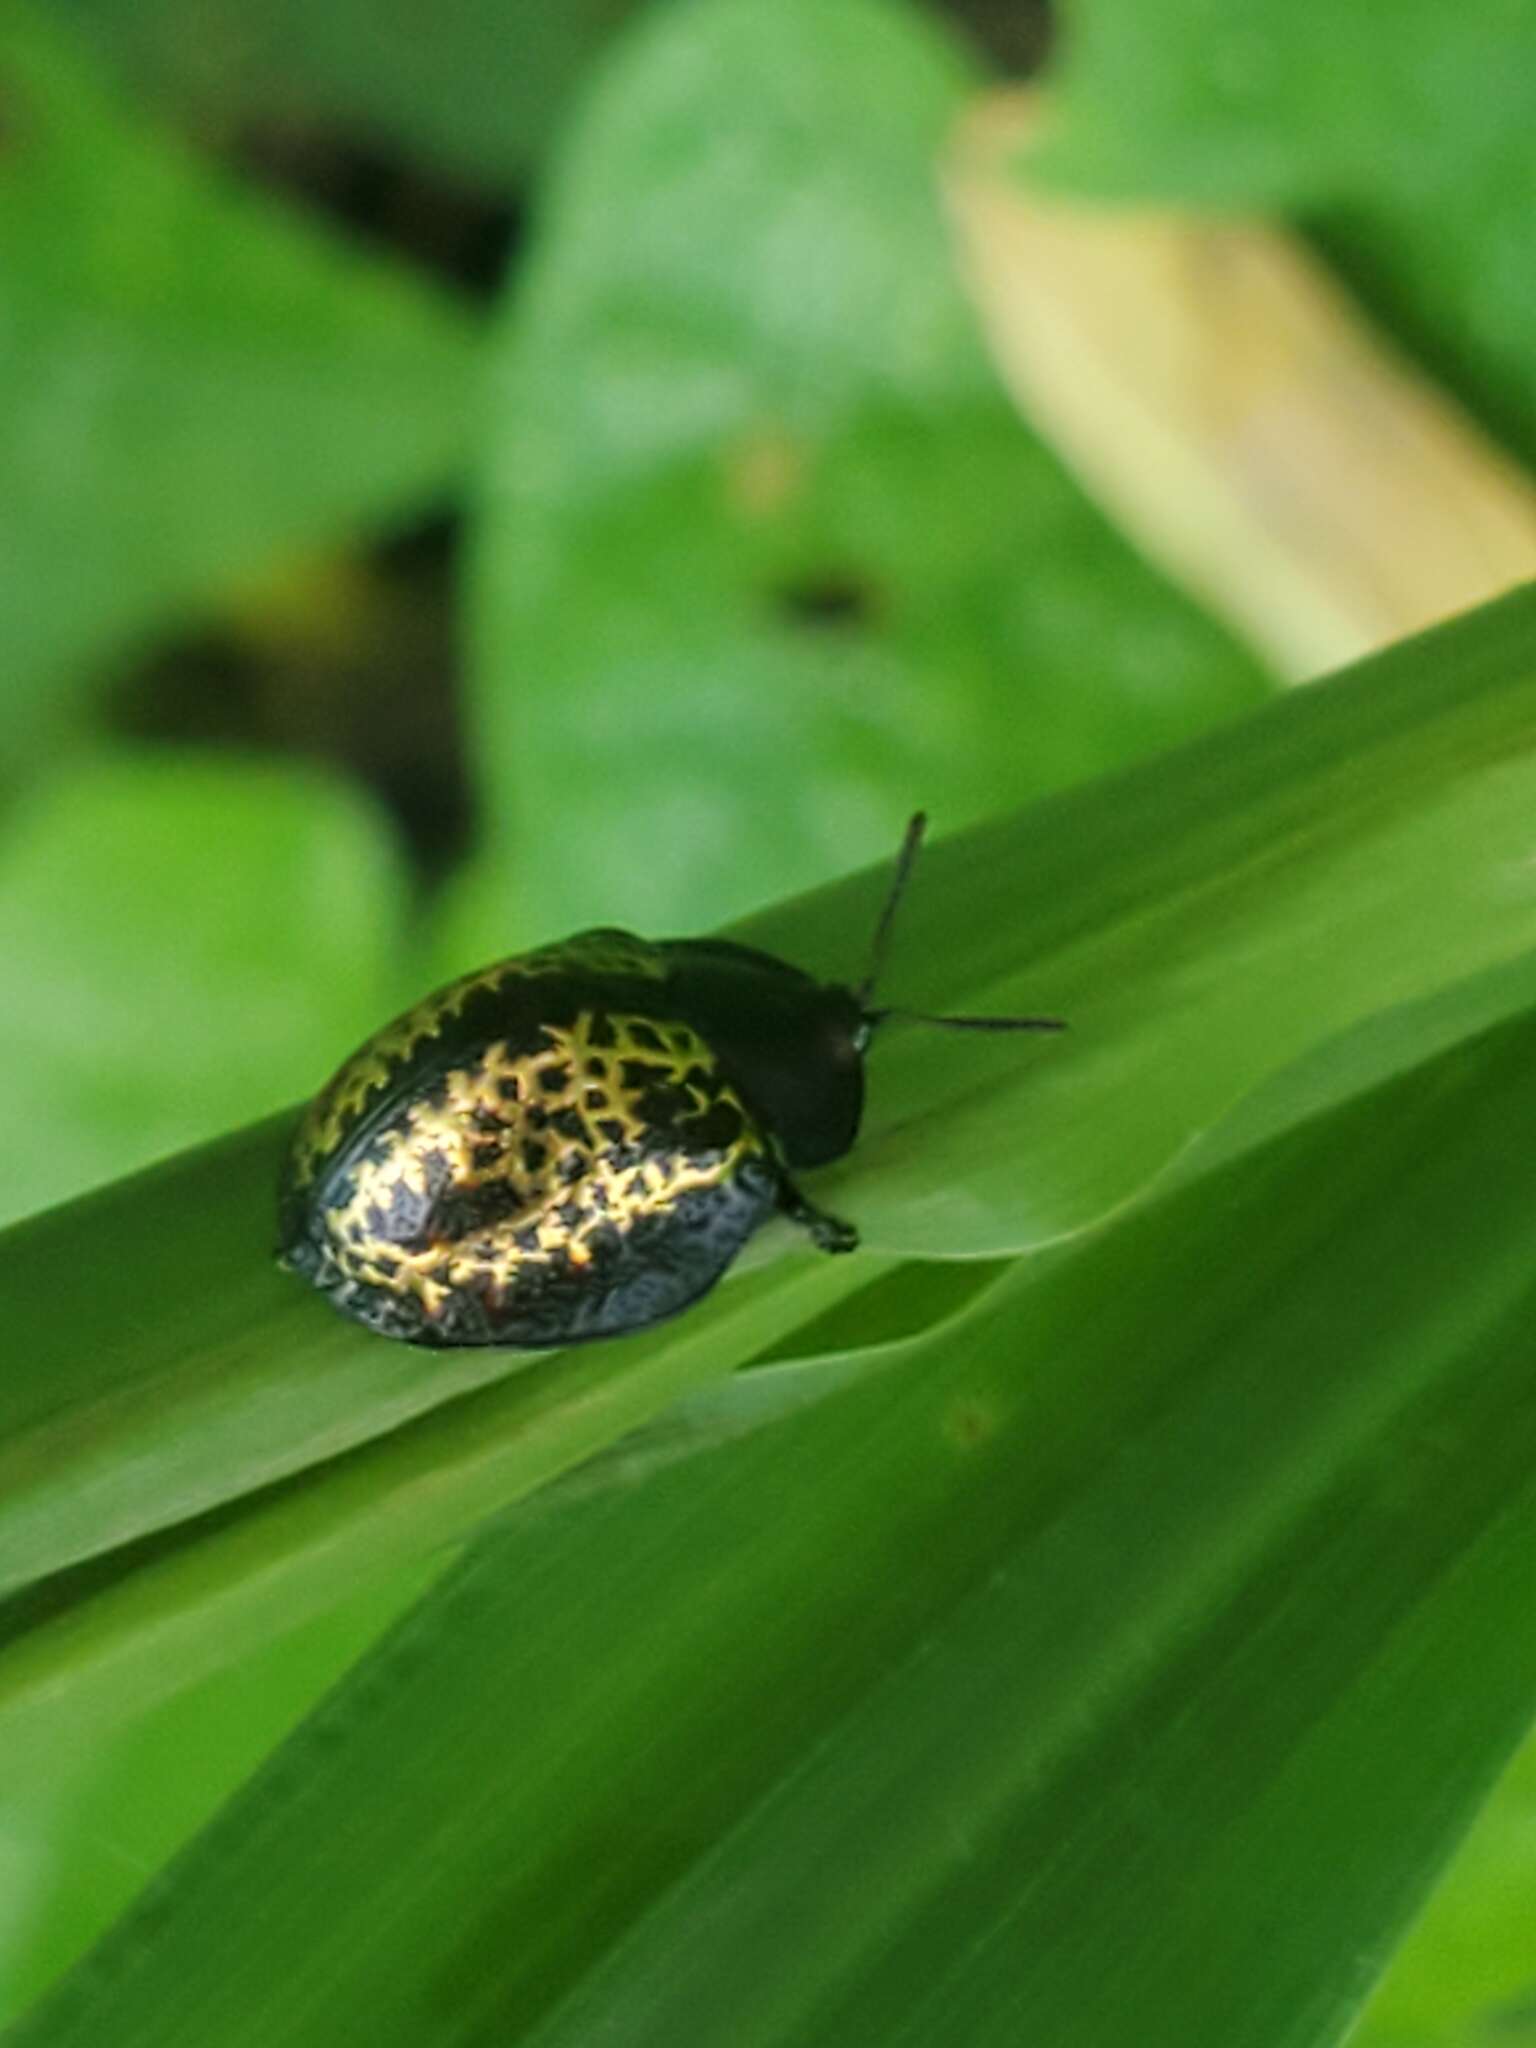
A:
(832, 1234)
(828, 1233)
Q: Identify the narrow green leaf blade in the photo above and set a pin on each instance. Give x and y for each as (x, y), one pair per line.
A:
(1118, 1667)
(1356, 846)
(1466, 1975)
(93, 1649)
(1200, 921)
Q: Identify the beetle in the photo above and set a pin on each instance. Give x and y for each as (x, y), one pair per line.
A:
(576, 1142)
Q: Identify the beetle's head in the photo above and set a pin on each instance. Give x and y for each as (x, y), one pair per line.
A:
(796, 1046)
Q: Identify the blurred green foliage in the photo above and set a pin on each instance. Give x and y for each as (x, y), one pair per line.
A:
(179, 932)
(194, 383)
(1401, 133)
(753, 495)
(753, 556)
(473, 88)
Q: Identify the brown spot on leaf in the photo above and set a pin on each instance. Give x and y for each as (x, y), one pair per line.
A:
(969, 1423)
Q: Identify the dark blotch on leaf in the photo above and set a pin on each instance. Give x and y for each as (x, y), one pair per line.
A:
(828, 602)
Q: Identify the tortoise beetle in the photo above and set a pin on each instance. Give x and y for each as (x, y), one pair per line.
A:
(577, 1142)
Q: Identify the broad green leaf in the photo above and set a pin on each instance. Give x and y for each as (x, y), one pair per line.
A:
(1404, 132)
(1201, 921)
(194, 381)
(1115, 1668)
(187, 941)
(766, 556)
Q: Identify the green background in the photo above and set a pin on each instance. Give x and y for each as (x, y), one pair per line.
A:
(477, 470)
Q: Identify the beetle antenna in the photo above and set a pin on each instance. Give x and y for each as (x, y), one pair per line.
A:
(875, 1017)
(917, 825)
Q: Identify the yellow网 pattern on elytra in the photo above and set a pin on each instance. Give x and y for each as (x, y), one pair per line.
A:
(559, 1136)
(374, 1067)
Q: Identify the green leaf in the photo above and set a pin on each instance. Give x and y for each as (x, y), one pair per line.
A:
(183, 1427)
(476, 86)
(1117, 1666)
(195, 381)
(1249, 896)
(1201, 921)
(754, 500)
(1466, 1977)
(187, 942)
(82, 1835)
(1388, 1042)
(1278, 106)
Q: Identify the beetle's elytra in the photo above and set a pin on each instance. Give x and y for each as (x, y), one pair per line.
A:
(578, 1141)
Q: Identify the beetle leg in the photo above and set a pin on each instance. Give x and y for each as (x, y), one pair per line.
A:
(828, 1233)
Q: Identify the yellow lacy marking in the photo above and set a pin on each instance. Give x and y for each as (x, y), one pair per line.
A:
(374, 1067)
(482, 1129)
